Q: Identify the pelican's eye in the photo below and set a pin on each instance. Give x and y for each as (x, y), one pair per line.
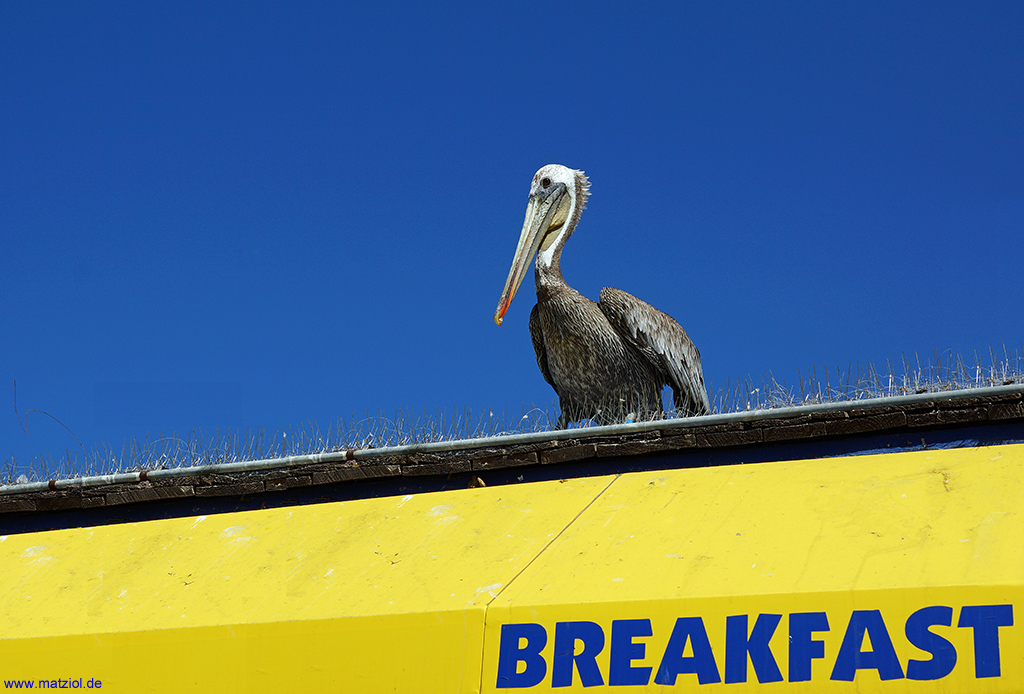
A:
(545, 182)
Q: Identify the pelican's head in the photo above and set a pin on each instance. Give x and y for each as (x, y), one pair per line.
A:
(557, 196)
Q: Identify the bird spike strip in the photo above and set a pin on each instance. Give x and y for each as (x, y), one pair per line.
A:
(944, 371)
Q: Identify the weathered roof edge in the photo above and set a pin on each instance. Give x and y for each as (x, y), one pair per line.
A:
(848, 417)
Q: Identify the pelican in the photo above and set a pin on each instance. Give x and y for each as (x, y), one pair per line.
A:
(607, 360)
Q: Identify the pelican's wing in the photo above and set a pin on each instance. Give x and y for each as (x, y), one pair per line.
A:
(538, 345)
(664, 342)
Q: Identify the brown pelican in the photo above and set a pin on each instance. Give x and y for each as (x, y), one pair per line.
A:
(606, 360)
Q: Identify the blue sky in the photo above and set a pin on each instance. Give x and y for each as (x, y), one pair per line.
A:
(256, 215)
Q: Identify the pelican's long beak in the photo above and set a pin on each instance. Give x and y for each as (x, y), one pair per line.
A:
(540, 218)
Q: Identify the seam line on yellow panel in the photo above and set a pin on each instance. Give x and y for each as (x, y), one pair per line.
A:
(487, 607)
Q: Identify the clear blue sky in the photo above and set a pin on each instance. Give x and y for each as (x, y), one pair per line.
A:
(255, 215)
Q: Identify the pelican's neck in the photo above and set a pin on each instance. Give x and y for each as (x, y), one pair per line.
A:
(548, 268)
(548, 261)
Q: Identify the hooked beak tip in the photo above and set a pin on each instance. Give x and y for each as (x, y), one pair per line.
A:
(503, 304)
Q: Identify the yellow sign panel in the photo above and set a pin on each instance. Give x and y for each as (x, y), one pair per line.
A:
(872, 573)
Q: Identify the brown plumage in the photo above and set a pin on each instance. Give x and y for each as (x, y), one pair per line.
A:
(607, 360)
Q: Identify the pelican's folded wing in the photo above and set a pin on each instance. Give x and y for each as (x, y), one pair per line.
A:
(664, 341)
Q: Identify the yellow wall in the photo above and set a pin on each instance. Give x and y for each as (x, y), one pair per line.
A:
(412, 593)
